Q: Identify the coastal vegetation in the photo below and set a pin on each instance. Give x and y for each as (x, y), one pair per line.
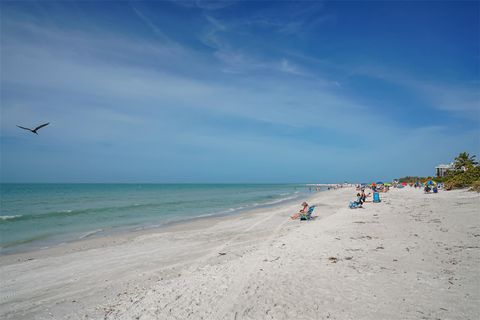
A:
(464, 160)
(464, 174)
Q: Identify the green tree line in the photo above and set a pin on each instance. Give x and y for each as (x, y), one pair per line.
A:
(465, 173)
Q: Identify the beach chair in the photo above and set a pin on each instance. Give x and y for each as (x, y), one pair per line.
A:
(376, 197)
(308, 215)
(354, 205)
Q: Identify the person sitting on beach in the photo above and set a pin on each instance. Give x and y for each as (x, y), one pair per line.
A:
(427, 189)
(302, 211)
(359, 199)
(357, 203)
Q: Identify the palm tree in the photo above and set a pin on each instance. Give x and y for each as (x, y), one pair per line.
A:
(464, 160)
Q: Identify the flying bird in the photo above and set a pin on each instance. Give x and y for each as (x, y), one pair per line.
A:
(34, 130)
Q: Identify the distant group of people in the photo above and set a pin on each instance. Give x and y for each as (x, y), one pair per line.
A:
(374, 187)
(329, 187)
(361, 196)
(430, 188)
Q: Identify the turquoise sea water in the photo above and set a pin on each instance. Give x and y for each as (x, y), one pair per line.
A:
(33, 216)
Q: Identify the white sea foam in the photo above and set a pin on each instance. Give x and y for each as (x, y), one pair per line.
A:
(88, 234)
(10, 217)
(205, 215)
(280, 200)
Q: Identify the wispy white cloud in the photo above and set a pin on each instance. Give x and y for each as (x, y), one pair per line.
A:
(237, 60)
(160, 34)
(210, 5)
(218, 26)
(120, 87)
(289, 67)
(288, 18)
(154, 103)
(462, 100)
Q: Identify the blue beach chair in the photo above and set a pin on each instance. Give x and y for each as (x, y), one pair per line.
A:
(308, 215)
(354, 205)
(376, 197)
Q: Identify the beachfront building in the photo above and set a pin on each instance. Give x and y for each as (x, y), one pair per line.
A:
(441, 169)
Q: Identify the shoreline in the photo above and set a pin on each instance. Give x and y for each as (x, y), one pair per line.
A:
(410, 256)
(117, 237)
(56, 240)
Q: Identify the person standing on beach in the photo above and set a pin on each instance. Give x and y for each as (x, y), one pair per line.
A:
(363, 196)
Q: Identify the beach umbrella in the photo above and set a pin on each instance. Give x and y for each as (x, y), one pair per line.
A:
(388, 184)
(379, 182)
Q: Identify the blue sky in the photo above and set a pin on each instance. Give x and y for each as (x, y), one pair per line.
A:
(237, 91)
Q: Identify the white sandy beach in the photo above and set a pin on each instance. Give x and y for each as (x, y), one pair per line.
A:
(412, 256)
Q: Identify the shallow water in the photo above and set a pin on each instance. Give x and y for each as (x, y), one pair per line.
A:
(40, 215)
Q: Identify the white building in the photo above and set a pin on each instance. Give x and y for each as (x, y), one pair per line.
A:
(441, 169)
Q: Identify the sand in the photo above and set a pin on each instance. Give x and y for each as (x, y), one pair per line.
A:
(412, 256)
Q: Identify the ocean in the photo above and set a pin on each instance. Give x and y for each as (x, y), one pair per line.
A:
(35, 216)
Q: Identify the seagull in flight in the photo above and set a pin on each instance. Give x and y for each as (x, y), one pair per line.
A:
(35, 130)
